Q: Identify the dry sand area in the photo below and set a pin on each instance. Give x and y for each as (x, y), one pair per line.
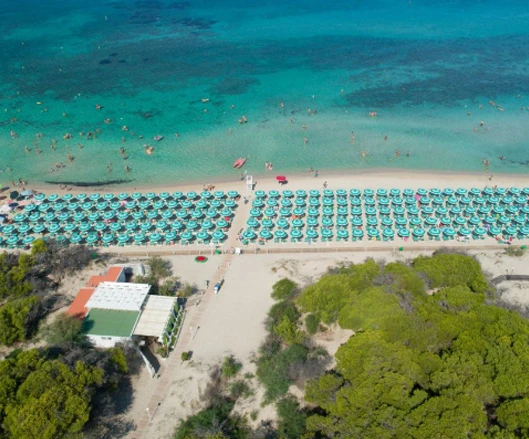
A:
(232, 324)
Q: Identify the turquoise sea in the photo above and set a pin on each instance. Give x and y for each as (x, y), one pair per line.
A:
(449, 82)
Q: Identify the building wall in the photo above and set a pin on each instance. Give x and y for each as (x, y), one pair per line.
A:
(102, 341)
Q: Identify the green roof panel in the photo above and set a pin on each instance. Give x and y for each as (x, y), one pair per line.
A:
(110, 323)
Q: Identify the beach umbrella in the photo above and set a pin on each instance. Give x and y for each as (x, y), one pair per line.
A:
(327, 222)
(233, 194)
(513, 210)
(280, 234)
(72, 206)
(525, 191)
(265, 234)
(494, 230)
(34, 217)
(177, 225)
(171, 204)
(341, 192)
(69, 227)
(206, 194)
(460, 221)
(256, 212)
(253, 223)
(44, 207)
(107, 216)
(146, 204)
(285, 202)
(12, 240)
(442, 211)
(342, 234)
(115, 227)
(479, 231)
(342, 222)
(507, 199)
(488, 191)
(155, 237)
(152, 195)
(500, 191)
(525, 210)
(461, 191)
(357, 233)
(490, 219)
(301, 202)
(367, 201)
(422, 192)
(221, 224)
(314, 202)
(107, 239)
(451, 201)
(434, 231)
(419, 232)
(499, 210)
(30, 207)
(357, 221)
(424, 200)
(388, 233)
(356, 210)
(325, 233)
(521, 200)
(145, 227)
(260, 194)
(39, 197)
(485, 210)
(438, 201)
(298, 211)
(101, 205)
(373, 232)
(51, 197)
(464, 231)
(403, 233)
(408, 192)
(342, 211)
(312, 234)
(268, 223)
(196, 214)
(313, 212)
(166, 214)
(446, 221)
(23, 228)
(434, 192)
(415, 221)
(170, 236)
(479, 200)
(475, 220)
(383, 202)
(431, 221)
(259, 202)
(399, 211)
(99, 227)
(297, 223)
(161, 225)
(202, 203)
(394, 192)
(355, 201)
(49, 217)
(328, 193)
(302, 194)
(139, 215)
(475, 192)
(384, 210)
(387, 222)
(449, 231)
(270, 212)
(369, 193)
(382, 192)
(284, 211)
(216, 203)
(182, 213)
(413, 211)
(92, 238)
(354, 193)
(524, 231)
(122, 239)
(159, 204)
(312, 222)
(130, 205)
(177, 195)
(401, 221)
(123, 196)
(108, 196)
(94, 196)
(202, 236)
(218, 235)
(54, 227)
(58, 206)
(519, 219)
(84, 227)
(19, 217)
(371, 221)
(510, 231)
(130, 226)
(186, 236)
(191, 195)
(216, 194)
(226, 212)
(328, 211)
(270, 202)
(455, 210)
(296, 233)
(76, 238)
(503, 219)
(493, 200)
(343, 202)
(281, 223)
(139, 238)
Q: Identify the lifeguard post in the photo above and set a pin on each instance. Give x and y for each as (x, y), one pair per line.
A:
(249, 182)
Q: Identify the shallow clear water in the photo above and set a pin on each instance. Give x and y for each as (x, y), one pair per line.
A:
(422, 66)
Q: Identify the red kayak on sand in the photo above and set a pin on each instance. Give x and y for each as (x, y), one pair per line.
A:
(239, 162)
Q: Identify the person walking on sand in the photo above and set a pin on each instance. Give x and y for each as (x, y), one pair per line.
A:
(325, 185)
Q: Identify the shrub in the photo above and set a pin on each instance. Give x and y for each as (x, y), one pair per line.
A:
(186, 355)
(279, 311)
(291, 420)
(312, 323)
(14, 319)
(230, 367)
(64, 329)
(284, 289)
(514, 251)
(287, 330)
(240, 389)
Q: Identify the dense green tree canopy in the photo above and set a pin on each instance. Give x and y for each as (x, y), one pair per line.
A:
(438, 365)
